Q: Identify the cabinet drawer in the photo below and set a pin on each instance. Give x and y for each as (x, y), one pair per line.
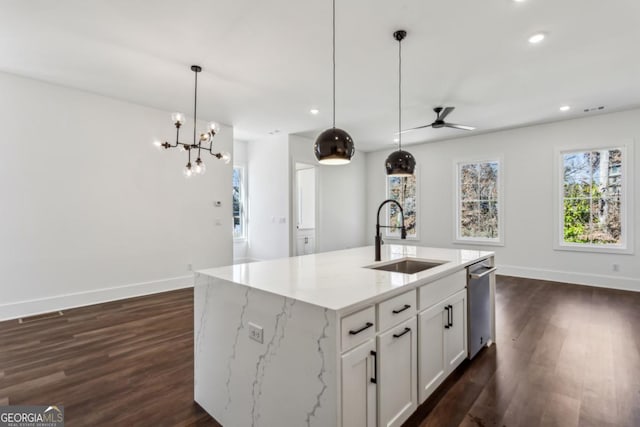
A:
(358, 327)
(440, 289)
(396, 310)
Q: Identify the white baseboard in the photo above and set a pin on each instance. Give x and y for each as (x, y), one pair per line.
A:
(19, 309)
(598, 280)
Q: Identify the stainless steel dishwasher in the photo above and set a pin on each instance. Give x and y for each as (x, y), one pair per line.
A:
(479, 306)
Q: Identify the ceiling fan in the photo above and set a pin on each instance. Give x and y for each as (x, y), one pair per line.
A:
(441, 114)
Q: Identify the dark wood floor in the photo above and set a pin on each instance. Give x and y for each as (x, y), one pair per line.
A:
(566, 355)
(125, 363)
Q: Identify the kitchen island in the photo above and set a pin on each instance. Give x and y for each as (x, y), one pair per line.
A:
(326, 340)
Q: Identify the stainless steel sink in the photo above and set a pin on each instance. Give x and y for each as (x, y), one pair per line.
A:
(408, 266)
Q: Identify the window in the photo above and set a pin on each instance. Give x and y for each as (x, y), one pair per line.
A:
(403, 190)
(478, 205)
(593, 191)
(239, 216)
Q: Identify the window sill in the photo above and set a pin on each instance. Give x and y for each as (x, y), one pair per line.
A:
(478, 242)
(397, 237)
(594, 249)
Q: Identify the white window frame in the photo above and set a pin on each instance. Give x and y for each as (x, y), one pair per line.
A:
(393, 235)
(243, 205)
(626, 209)
(484, 241)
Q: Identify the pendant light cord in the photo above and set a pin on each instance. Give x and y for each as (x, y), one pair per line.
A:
(399, 95)
(334, 64)
(195, 108)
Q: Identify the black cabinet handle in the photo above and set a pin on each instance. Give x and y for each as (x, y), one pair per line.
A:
(356, 332)
(374, 380)
(400, 310)
(406, 330)
(447, 326)
(451, 314)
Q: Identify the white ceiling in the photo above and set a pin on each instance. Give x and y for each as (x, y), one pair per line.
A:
(266, 63)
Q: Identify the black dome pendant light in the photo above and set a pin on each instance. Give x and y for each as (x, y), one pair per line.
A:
(334, 146)
(400, 163)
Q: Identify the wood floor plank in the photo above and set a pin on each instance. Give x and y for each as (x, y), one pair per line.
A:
(560, 411)
(565, 355)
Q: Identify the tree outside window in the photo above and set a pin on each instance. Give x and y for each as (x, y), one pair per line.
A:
(592, 197)
(402, 189)
(478, 204)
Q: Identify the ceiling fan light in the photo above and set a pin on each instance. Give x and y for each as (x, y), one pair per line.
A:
(400, 163)
(334, 147)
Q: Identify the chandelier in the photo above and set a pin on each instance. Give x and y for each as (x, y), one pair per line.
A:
(202, 141)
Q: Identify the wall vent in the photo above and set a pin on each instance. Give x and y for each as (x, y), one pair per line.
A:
(589, 110)
(37, 317)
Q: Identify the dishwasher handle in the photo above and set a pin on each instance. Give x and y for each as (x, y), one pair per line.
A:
(481, 275)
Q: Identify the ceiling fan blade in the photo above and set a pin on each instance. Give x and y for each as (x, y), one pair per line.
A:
(445, 113)
(463, 127)
(419, 127)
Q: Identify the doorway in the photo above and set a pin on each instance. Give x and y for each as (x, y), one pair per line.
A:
(305, 209)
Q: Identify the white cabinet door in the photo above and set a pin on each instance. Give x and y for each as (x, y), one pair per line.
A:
(431, 350)
(358, 389)
(397, 374)
(456, 334)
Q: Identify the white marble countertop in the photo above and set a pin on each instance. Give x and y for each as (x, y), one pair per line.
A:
(339, 280)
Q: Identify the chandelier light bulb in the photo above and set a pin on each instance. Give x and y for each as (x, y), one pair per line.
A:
(157, 144)
(214, 127)
(177, 118)
(226, 157)
(200, 168)
(188, 170)
(205, 137)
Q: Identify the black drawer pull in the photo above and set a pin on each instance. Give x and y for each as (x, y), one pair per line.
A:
(374, 380)
(451, 314)
(406, 307)
(447, 326)
(356, 332)
(406, 330)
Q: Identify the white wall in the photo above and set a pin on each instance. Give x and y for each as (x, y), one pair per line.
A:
(528, 197)
(268, 172)
(341, 198)
(90, 211)
(241, 158)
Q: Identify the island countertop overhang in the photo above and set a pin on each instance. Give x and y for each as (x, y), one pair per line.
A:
(340, 280)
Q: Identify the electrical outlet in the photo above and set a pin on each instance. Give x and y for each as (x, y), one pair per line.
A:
(189, 267)
(256, 333)
(615, 267)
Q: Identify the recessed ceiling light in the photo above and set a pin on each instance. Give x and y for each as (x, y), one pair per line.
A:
(565, 108)
(536, 38)
(519, 1)
(314, 111)
(396, 139)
